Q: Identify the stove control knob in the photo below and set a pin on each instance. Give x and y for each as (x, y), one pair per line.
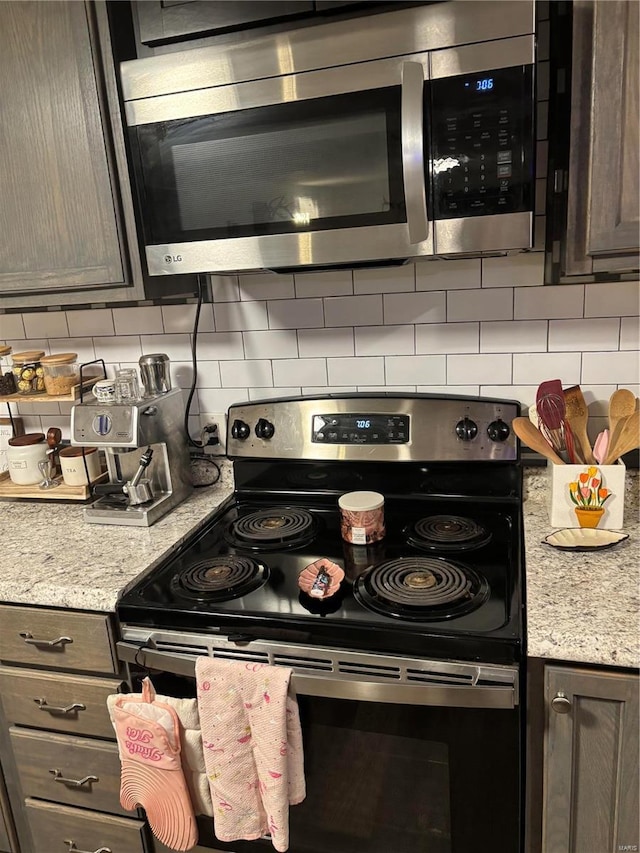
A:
(466, 429)
(240, 430)
(498, 430)
(265, 429)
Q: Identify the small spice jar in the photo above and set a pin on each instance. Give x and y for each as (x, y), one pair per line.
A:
(362, 517)
(7, 381)
(28, 372)
(23, 455)
(61, 373)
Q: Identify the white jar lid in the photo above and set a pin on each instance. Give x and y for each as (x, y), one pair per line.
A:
(361, 501)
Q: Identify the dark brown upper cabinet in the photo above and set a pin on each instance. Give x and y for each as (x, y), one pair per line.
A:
(600, 178)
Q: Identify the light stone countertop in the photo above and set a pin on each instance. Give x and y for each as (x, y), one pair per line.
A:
(581, 607)
(52, 557)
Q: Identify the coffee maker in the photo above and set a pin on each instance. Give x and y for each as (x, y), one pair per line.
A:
(146, 452)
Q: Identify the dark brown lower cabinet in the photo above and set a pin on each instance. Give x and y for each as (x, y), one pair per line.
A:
(590, 786)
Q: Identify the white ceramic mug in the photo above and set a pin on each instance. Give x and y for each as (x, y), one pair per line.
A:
(104, 391)
(72, 465)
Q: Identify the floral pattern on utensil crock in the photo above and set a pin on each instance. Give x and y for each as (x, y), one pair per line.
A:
(588, 495)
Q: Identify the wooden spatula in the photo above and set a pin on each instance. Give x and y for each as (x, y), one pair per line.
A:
(627, 438)
(533, 438)
(577, 414)
(622, 403)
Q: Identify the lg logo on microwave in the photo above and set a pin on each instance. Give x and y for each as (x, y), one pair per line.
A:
(172, 259)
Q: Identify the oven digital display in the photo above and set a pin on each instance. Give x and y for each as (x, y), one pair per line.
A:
(360, 429)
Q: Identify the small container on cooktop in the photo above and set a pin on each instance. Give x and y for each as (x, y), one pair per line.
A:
(362, 517)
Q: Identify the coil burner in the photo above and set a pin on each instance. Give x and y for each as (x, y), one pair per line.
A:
(447, 533)
(421, 589)
(273, 528)
(220, 578)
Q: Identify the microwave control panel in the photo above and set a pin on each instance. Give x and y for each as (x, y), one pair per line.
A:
(482, 142)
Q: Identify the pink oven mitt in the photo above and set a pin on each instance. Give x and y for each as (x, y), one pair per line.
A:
(148, 738)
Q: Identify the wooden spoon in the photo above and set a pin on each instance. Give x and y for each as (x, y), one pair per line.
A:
(577, 413)
(627, 438)
(622, 403)
(533, 438)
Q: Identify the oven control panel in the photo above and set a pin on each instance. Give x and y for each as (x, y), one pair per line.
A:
(375, 428)
(360, 428)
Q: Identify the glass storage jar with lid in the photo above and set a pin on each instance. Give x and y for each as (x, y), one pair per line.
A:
(28, 372)
(7, 381)
(61, 373)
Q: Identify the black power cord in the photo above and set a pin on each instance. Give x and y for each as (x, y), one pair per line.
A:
(198, 445)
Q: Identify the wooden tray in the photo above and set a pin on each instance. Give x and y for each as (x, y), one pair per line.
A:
(63, 492)
(73, 395)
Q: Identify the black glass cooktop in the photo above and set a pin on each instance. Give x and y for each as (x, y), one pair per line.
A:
(227, 581)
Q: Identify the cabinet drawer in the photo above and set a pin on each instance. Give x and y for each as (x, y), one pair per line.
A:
(46, 700)
(57, 638)
(39, 754)
(54, 828)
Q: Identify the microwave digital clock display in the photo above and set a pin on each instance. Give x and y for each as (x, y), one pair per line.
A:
(360, 429)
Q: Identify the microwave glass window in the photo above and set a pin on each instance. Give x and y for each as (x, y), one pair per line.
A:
(299, 166)
(482, 143)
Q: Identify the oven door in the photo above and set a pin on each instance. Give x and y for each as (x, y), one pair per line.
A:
(401, 754)
(323, 167)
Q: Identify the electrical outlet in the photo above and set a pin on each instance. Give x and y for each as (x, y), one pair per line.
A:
(219, 419)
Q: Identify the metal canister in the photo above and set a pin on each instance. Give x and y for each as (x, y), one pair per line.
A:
(154, 372)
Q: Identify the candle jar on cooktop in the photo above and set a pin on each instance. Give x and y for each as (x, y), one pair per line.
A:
(362, 517)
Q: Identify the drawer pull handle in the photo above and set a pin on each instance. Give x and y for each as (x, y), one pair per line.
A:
(73, 783)
(55, 709)
(28, 637)
(74, 849)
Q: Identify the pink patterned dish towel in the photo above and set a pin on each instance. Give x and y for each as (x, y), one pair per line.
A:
(252, 748)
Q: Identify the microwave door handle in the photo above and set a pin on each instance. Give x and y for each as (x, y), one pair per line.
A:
(412, 129)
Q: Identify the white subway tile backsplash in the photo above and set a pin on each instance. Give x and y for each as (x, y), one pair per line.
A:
(124, 348)
(330, 283)
(612, 299)
(138, 321)
(177, 347)
(448, 275)
(630, 333)
(96, 322)
(464, 390)
(46, 324)
(181, 374)
(266, 286)
(385, 340)
(255, 373)
(514, 336)
(489, 304)
(270, 393)
(219, 399)
(356, 371)
(224, 288)
(447, 338)
(180, 318)
(384, 280)
(417, 369)
(400, 308)
(296, 314)
(299, 371)
(537, 367)
(11, 326)
(396, 389)
(353, 311)
(551, 302)
(597, 397)
(525, 269)
(325, 342)
(524, 394)
(240, 316)
(271, 344)
(476, 369)
(220, 346)
(316, 390)
(209, 374)
(577, 335)
(621, 368)
(82, 346)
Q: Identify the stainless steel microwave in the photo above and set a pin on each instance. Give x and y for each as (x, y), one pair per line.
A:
(397, 135)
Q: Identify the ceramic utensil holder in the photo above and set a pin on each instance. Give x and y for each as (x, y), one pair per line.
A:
(586, 495)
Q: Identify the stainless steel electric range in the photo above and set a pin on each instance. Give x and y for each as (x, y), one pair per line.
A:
(409, 677)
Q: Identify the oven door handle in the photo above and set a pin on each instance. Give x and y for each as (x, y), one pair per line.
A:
(413, 131)
(309, 684)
